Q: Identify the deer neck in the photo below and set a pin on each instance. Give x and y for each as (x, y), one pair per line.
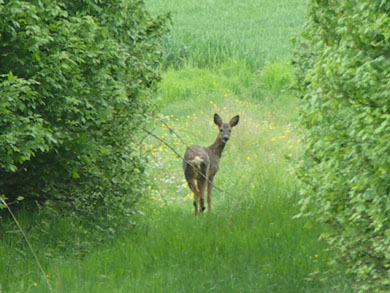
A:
(217, 147)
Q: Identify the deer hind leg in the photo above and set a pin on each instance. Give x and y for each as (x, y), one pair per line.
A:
(198, 190)
(209, 191)
(193, 185)
(195, 205)
(201, 185)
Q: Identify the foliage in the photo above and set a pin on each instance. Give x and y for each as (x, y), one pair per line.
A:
(76, 78)
(343, 67)
(275, 78)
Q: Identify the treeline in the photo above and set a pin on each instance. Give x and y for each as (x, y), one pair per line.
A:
(343, 65)
(76, 79)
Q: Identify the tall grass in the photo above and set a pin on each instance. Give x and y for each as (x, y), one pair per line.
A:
(210, 32)
(251, 248)
(230, 79)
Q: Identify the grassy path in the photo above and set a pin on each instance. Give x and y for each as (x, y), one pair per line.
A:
(248, 244)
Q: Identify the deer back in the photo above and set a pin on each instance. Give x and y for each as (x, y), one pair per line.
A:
(196, 157)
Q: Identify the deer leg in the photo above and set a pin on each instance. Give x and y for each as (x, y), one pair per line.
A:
(192, 184)
(209, 191)
(202, 185)
(196, 207)
(196, 201)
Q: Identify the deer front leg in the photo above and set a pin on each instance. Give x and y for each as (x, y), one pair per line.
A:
(209, 191)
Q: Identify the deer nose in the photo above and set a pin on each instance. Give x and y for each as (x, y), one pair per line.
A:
(225, 139)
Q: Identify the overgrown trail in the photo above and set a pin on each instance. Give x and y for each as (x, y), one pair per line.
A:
(249, 243)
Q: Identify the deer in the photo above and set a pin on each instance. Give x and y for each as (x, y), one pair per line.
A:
(201, 164)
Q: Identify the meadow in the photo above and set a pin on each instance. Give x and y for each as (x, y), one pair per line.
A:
(225, 57)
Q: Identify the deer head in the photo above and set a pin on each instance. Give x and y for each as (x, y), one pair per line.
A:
(225, 129)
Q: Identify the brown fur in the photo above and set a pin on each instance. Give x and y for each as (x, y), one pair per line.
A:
(200, 163)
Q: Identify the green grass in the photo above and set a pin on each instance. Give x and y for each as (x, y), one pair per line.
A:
(210, 32)
(251, 247)
(231, 79)
(226, 57)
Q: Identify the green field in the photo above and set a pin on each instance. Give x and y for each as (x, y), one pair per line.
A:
(225, 57)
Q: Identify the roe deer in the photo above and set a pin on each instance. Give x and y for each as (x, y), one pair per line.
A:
(200, 163)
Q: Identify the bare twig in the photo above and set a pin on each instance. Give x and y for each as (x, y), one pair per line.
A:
(28, 243)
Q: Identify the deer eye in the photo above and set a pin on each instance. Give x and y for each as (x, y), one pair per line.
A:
(221, 130)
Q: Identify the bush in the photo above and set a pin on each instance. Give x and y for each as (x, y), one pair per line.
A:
(343, 68)
(275, 78)
(75, 81)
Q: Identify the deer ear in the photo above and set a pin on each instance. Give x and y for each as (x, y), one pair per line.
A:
(217, 119)
(234, 121)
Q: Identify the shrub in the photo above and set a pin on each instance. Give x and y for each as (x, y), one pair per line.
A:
(276, 77)
(343, 68)
(76, 80)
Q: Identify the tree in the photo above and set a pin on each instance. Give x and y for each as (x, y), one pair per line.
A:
(76, 79)
(344, 74)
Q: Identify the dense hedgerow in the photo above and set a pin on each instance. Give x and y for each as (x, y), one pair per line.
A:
(75, 81)
(343, 62)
